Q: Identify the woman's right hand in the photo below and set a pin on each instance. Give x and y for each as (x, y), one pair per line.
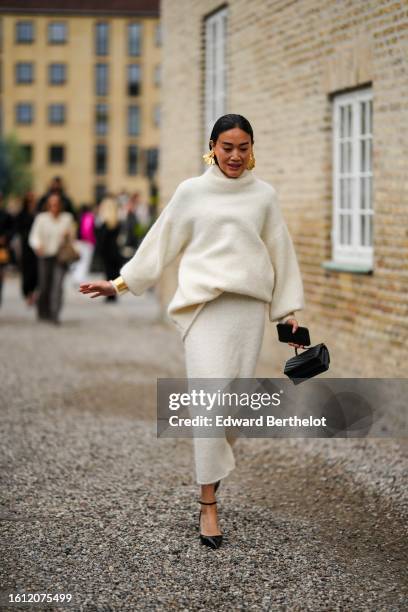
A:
(98, 288)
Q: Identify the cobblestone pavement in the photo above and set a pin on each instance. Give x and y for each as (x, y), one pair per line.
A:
(94, 505)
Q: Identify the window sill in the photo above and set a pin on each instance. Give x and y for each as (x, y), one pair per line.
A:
(355, 268)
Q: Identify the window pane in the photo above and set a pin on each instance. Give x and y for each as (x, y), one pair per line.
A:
(369, 154)
(56, 154)
(345, 229)
(57, 74)
(349, 121)
(134, 34)
(349, 197)
(133, 78)
(342, 157)
(156, 115)
(100, 159)
(57, 32)
(24, 72)
(366, 230)
(100, 191)
(24, 113)
(342, 239)
(363, 192)
(101, 119)
(362, 155)
(370, 230)
(349, 156)
(369, 193)
(158, 35)
(215, 68)
(363, 117)
(363, 230)
(152, 161)
(157, 75)
(133, 121)
(102, 39)
(341, 120)
(101, 79)
(24, 32)
(132, 159)
(28, 153)
(56, 113)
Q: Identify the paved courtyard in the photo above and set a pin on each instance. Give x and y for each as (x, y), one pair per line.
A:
(94, 505)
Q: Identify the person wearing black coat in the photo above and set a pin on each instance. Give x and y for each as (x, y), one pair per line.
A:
(28, 262)
(6, 233)
(107, 230)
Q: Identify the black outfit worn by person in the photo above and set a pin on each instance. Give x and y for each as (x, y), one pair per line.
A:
(108, 249)
(6, 233)
(51, 278)
(129, 236)
(29, 262)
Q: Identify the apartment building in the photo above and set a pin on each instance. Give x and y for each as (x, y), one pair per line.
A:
(325, 86)
(80, 88)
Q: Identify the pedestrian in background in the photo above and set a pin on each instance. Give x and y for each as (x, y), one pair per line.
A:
(57, 186)
(6, 233)
(48, 233)
(237, 260)
(86, 244)
(107, 232)
(130, 228)
(28, 259)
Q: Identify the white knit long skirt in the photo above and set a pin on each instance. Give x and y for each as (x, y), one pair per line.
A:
(224, 341)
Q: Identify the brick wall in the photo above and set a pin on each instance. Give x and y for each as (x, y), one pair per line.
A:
(285, 60)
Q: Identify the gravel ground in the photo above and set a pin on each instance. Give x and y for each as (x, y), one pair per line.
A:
(94, 505)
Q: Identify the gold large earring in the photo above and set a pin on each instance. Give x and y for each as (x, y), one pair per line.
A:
(251, 162)
(209, 158)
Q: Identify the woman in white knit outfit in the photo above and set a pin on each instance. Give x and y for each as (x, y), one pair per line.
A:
(237, 258)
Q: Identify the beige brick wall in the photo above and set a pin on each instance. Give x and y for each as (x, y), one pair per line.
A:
(285, 59)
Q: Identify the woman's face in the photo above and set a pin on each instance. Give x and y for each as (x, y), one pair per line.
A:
(54, 205)
(233, 149)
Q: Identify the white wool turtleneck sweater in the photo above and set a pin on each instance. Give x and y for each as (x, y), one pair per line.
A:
(232, 237)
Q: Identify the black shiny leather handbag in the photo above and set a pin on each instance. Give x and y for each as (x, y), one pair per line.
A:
(311, 362)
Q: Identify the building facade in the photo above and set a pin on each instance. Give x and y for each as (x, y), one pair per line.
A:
(325, 86)
(80, 88)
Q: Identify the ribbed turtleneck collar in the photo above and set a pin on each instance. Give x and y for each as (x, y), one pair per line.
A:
(220, 180)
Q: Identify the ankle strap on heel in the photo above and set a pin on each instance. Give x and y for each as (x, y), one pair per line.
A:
(206, 503)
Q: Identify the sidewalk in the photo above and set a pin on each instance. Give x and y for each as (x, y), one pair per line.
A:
(94, 505)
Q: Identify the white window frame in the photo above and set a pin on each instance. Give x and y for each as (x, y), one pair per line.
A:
(215, 69)
(356, 251)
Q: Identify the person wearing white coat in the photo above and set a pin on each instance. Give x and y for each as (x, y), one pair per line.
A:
(237, 258)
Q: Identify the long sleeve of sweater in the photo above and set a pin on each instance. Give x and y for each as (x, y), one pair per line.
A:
(231, 236)
(288, 294)
(161, 245)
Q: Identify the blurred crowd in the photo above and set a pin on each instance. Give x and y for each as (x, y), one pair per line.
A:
(46, 237)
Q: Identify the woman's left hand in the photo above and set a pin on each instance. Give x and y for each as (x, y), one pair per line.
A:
(295, 325)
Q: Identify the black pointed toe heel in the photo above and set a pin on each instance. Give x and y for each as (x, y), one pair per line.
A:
(213, 541)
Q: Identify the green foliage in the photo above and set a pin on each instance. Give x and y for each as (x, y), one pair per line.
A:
(15, 176)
